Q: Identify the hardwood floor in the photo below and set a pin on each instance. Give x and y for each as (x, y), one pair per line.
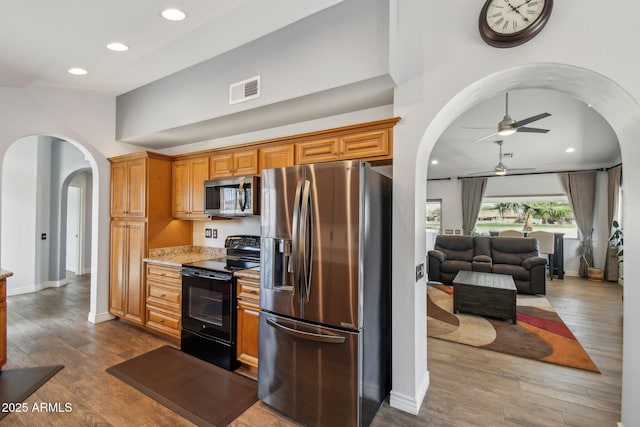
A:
(469, 386)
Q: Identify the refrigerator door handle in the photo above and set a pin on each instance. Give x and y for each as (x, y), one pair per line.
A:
(330, 339)
(295, 238)
(306, 235)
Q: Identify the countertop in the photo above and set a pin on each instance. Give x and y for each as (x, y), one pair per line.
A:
(177, 255)
(5, 273)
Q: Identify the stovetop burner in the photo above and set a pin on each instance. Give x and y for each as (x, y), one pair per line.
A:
(227, 263)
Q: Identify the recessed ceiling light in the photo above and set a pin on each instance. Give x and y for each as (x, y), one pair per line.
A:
(570, 150)
(118, 47)
(173, 14)
(434, 162)
(77, 71)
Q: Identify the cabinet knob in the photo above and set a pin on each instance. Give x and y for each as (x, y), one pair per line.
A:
(162, 321)
(163, 296)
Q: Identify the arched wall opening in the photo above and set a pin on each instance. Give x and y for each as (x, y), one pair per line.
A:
(82, 179)
(622, 112)
(99, 287)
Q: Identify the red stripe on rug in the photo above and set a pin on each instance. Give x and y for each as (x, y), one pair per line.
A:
(558, 328)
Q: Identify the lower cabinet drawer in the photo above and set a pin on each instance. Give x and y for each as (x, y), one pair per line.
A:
(159, 294)
(162, 321)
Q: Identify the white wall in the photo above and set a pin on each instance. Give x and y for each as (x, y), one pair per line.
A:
(19, 233)
(87, 120)
(463, 72)
(319, 53)
(236, 226)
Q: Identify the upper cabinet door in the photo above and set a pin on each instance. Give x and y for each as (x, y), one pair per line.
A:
(180, 181)
(128, 188)
(221, 165)
(279, 156)
(119, 194)
(321, 150)
(246, 162)
(137, 188)
(365, 145)
(199, 174)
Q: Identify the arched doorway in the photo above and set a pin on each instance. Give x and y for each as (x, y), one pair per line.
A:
(49, 226)
(623, 114)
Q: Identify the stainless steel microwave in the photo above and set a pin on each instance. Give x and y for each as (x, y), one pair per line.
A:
(232, 197)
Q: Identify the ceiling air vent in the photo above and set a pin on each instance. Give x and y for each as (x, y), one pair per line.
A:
(244, 90)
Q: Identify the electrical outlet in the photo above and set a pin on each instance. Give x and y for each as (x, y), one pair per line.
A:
(215, 233)
(207, 233)
(419, 271)
(43, 236)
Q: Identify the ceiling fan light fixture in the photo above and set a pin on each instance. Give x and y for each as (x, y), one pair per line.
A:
(506, 131)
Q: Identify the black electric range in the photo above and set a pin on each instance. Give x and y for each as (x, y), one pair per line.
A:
(209, 302)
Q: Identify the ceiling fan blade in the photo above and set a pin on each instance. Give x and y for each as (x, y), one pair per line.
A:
(491, 172)
(486, 137)
(531, 130)
(511, 170)
(531, 119)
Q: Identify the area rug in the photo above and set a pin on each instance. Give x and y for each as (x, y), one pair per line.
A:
(539, 334)
(19, 383)
(205, 394)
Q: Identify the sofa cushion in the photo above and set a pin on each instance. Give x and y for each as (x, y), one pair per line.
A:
(482, 246)
(516, 271)
(509, 250)
(455, 247)
(453, 266)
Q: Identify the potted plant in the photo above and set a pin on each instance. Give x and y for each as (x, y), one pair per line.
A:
(585, 248)
(616, 244)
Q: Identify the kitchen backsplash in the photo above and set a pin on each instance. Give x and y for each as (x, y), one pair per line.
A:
(229, 227)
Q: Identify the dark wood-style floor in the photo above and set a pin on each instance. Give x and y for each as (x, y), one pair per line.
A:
(469, 387)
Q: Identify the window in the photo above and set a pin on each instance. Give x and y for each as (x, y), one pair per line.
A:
(527, 213)
(434, 213)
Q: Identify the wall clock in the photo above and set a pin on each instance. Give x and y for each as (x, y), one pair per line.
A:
(508, 23)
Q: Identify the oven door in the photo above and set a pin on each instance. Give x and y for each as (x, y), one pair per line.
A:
(207, 304)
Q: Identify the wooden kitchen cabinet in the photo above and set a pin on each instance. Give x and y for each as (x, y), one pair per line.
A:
(278, 156)
(141, 206)
(366, 145)
(128, 188)
(322, 150)
(128, 248)
(248, 295)
(188, 177)
(236, 163)
(164, 299)
(3, 322)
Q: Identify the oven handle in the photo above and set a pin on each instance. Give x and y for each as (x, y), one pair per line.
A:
(213, 276)
(331, 339)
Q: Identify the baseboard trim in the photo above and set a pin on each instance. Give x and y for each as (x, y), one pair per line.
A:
(19, 291)
(101, 317)
(52, 284)
(86, 270)
(408, 403)
(620, 424)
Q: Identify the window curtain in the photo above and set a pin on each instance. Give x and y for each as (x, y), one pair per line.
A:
(472, 192)
(614, 176)
(580, 188)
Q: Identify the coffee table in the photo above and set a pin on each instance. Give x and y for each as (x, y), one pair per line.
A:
(487, 294)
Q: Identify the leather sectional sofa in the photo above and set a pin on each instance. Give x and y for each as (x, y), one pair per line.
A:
(515, 256)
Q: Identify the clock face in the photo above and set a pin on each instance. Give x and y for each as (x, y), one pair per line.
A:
(513, 16)
(509, 23)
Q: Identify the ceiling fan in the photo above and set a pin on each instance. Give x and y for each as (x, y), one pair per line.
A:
(500, 169)
(508, 126)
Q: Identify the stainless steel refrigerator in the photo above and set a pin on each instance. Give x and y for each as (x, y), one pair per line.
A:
(325, 292)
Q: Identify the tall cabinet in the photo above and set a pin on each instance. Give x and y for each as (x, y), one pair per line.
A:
(141, 219)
